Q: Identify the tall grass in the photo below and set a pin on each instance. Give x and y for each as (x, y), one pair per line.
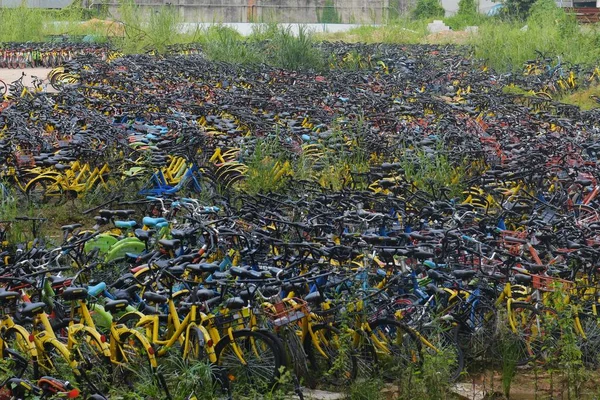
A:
(155, 30)
(506, 45)
(221, 43)
(401, 30)
(21, 24)
(290, 51)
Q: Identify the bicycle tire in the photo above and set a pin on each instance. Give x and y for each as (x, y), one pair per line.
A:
(259, 354)
(531, 332)
(322, 366)
(590, 344)
(296, 359)
(133, 358)
(402, 346)
(54, 360)
(477, 334)
(41, 190)
(195, 347)
(15, 344)
(3, 88)
(94, 365)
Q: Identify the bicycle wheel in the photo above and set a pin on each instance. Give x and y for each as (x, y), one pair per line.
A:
(195, 350)
(259, 363)
(130, 320)
(94, 366)
(396, 345)
(296, 357)
(44, 191)
(133, 358)
(445, 343)
(336, 365)
(17, 353)
(3, 88)
(477, 334)
(366, 356)
(536, 330)
(54, 361)
(590, 344)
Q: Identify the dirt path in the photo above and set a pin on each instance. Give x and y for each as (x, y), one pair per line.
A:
(11, 75)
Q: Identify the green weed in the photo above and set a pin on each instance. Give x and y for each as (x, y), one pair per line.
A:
(585, 98)
(426, 9)
(154, 31)
(433, 171)
(366, 390)
(221, 43)
(402, 30)
(329, 14)
(506, 45)
(21, 24)
(294, 52)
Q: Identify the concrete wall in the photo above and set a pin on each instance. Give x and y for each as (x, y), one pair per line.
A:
(36, 3)
(293, 11)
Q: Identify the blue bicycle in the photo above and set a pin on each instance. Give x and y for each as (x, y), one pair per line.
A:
(158, 186)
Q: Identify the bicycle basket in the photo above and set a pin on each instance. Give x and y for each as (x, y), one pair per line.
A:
(551, 284)
(512, 247)
(286, 311)
(234, 319)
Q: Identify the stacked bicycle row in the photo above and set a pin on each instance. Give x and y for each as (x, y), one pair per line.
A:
(347, 292)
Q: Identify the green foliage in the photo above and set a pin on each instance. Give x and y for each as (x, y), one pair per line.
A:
(148, 32)
(262, 162)
(518, 9)
(295, 52)
(329, 14)
(428, 9)
(21, 24)
(467, 7)
(505, 46)
(398, 31)
(432, 172)
(221, 43)
(366, 390)
(467, 15)
(509, 349)
(431, 379)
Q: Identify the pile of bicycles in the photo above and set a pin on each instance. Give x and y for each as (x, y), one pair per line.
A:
(410, 207)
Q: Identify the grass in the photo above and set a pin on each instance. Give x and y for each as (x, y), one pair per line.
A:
(582, 98)
(506, 45)
(502, 44)
(402, 30)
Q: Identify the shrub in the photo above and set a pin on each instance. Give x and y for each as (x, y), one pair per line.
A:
(295, 52)
(428, 9)
(329, 14)
(467, 7)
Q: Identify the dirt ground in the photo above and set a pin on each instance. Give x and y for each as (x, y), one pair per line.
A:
(11, 75)
(528, 385)
(454, 37)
